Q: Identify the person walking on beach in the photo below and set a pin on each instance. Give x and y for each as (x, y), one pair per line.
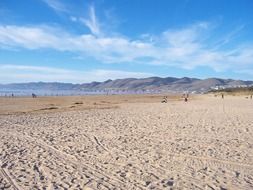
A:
(222, 96)
(34, 95)
(185, 97)
(164, 99)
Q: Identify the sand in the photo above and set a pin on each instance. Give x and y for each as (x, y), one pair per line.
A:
(126, 142)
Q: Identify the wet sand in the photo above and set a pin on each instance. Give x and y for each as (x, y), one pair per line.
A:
(126, 142)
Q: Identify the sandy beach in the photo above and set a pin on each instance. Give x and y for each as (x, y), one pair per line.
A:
(126, 142)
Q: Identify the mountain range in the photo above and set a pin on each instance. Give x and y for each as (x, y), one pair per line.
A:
(151, 84)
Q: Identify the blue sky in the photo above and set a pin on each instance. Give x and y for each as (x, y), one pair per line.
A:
(84, 40)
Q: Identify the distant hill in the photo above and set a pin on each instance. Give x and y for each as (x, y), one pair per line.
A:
(151, 84)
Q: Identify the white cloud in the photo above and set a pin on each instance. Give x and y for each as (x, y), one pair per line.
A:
(185, 48)
(33, 68)
(56, 5)
(228, 37)
(73, 18)
(92, 22)
(29, 37)
(25, 73)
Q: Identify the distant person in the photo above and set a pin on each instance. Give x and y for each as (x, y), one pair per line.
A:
(222, 96)
(185, 99)
(12, 95)
(251, 96)
(34, 95)
(164, 99)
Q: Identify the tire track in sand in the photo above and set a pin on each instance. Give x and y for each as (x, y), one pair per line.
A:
(76, 161)
(8, 178)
